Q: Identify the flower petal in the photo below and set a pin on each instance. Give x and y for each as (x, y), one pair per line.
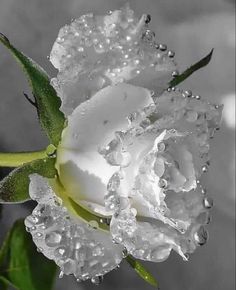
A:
(188, 113)
(76, 247)
(153, 240)
(82, 170)
(95, 51)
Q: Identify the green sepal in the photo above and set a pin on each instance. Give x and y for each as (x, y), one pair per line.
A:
(180, 78)
(141, 271)
(14, 188)
(25, 268)
(47, 102)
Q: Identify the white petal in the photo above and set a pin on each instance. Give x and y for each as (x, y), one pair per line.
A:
(75, 247)
(83, 171)
(95, 51)
(152, 240)
(192, 115)
(144, 240)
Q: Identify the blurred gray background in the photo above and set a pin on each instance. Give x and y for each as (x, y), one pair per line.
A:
(191, 29)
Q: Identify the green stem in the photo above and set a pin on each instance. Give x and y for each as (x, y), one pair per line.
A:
(18, 159)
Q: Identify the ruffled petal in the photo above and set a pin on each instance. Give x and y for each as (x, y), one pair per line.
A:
(82, 169)
(153, 240)
(95, 51)
(76, 247)
(156, 203)
(185, 112)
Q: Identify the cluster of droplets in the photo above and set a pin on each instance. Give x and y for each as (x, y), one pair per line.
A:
(117, 154)
(95, 51)
(188, 113)
(181, 125)
(77, 247)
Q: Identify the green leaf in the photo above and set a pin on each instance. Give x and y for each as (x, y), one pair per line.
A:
(15, 187)
(4, 249)
(27, 269)
(6, 283)
(47, 102)
(3, 285)
(141, 271)
(180, 78)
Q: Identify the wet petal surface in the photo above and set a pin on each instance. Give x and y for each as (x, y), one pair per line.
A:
(75, 246)
(96, 51)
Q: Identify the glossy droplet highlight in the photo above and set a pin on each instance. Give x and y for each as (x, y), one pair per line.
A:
(53, 239)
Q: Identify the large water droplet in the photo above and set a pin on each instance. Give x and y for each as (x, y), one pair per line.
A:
(61, 274)
(97, 280)
(208, 202)
(53, 239)
(163, 183)
(159, 167)
(114, 182)
(201, 236)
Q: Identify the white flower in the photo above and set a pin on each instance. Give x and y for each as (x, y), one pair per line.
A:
(132, 151)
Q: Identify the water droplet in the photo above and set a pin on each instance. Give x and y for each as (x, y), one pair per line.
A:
(51, 150)
(148, 35)
(163, 183)
(80, 49)
(32, 229)
(204, 191)
(124, 253)
(159, 167)
(163, 47)
(208, 202)
(114, 182)
(97, 280)
(201, 236)
(53, 239)
(61, 252)
(38, 235)
(175, 73)
(204, 168)
(99, 48)
(128, 38)
(188, 93)
(161, 147)
(61, 274)
(171, 53)
(156, 45)
(147, 18)
(145, 123)
(30, 221)
(94, 224)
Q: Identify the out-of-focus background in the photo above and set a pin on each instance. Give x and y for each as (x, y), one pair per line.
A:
(191, 29)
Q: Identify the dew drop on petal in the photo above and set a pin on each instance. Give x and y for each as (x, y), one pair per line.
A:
(201, 236)
(52, 239)
(208, 202)
(97, 280)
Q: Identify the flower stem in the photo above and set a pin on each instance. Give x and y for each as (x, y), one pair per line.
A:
(19, 158)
